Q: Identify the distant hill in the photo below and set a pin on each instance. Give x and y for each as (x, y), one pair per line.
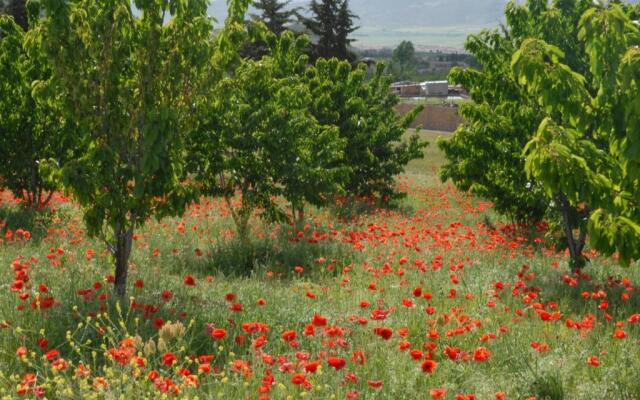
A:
(428, 23)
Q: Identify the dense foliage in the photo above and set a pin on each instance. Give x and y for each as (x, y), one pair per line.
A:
(332, 23)
(130, 83)
(403, 62)
(364, 113)
(587, 148)
(275, 14)
(30, 130)
(162, 111)
(18, 10)
(261, 141)
(486, 153)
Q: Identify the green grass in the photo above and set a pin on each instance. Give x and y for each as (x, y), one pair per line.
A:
(436, 225)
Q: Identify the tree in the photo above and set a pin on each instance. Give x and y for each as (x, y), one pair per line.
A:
(331, 24)
(261, 142)
(18, 10)
(30, 130)
(485, 154)
(405, 53)
(344, 28)
(131, 82)
(275, 14)
(587, 148)
(364, 113)
(403, 61)
(275, 17)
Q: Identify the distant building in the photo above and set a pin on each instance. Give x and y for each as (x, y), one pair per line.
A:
(435, 88)
(407, 89)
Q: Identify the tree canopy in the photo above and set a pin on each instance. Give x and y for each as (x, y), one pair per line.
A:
(331, 23)
(260, 141)
(403, 61)
(130, 82)
(18, 10)
(485, 154)
(363, 110)
(275, 14)
(587, 147)
(30, 130)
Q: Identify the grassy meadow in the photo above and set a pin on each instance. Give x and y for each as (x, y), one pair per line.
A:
(437, 298)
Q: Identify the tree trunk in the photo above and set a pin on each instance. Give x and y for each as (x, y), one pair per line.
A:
(576, 245)
(297, 215)
(122, 251)
(243, 228)
(47, 199)
(241, 219)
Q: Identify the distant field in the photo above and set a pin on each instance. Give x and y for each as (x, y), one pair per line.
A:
(424, 38)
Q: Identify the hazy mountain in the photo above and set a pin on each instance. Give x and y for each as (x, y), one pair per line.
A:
(428, 23)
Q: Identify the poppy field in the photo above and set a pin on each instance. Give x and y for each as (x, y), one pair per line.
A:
(438, 298)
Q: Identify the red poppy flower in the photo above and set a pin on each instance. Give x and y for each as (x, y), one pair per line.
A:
(379, 315)
(619, 334)
(206, 358)
(312, 367)
(319, 320)
(189, 280)
(437, 393)
(289, 336)
(336, 362)
(594, 361)
(218, 333)
(21, 351)
(168, 359)
(309, 330)
(51, 354)
(416, 354)
(299, 379)
(259, 342)
(428, 366)
(481, 354)
(383, 332)
(166, 294)
(358, 357)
